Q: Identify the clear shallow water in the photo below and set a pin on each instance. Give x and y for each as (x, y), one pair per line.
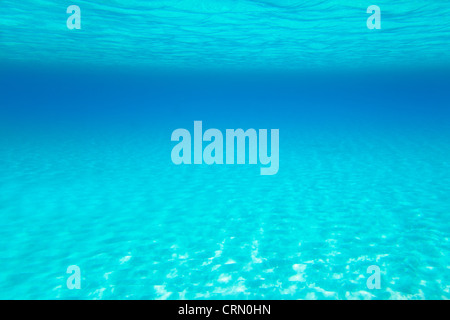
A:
(86, 177)
(92, 184)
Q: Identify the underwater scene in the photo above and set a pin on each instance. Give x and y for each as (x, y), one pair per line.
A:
(243, 150)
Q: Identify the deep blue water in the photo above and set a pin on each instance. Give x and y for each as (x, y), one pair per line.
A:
(86, 176)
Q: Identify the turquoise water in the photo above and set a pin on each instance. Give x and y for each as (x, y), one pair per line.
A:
(86, 176)
(227, 33)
